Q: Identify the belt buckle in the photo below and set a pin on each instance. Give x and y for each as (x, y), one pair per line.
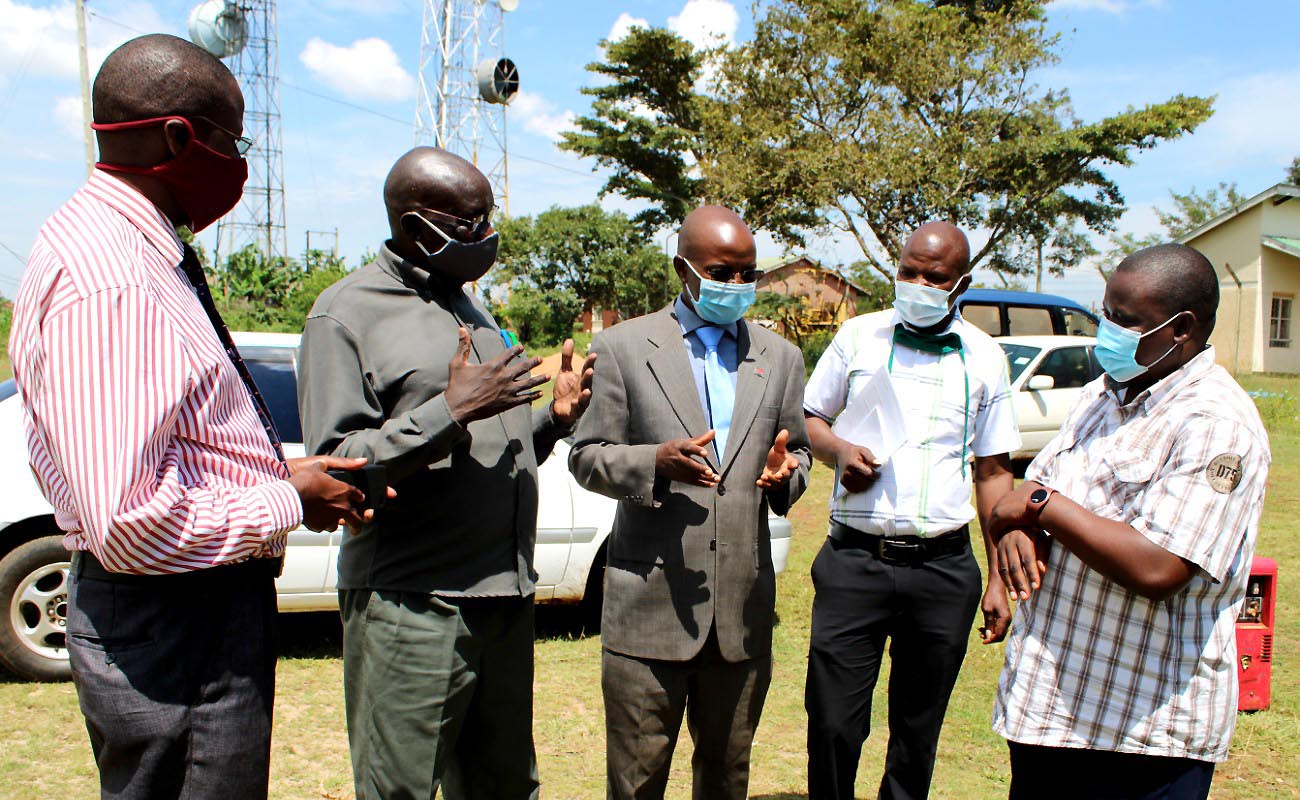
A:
(911, 551)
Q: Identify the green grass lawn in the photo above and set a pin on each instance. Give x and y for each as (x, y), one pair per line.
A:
(47, 754)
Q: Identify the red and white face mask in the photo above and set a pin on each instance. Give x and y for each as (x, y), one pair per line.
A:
(205, 183)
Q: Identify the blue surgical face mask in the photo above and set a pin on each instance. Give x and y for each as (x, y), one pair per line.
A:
(721, 303)
(460, 261)
(1116, 350)
(923, 306)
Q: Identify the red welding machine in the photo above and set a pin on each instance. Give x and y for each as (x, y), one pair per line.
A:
(1255, 636)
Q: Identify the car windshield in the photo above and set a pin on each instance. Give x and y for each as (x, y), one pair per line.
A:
(272, 371)
(1019, 356)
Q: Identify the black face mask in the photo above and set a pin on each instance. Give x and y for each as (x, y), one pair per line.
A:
(459, 261)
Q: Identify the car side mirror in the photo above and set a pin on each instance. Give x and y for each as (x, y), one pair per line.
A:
(1041, 383)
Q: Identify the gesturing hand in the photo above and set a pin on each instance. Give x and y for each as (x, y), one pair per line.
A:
(572, 391)
(682, 460)
(1022, 560)
(780, 464)
(857, 467)
(479, 391)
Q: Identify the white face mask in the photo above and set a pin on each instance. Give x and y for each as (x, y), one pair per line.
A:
(923, 306)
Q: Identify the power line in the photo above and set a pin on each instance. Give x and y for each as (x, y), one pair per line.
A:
(21, 258)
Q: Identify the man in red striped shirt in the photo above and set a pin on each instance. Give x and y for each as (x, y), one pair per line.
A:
(148, 438)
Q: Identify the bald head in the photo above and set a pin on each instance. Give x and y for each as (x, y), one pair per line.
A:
(1177, 278)
(161, 76)
(939, 241)
(711, 229)
(429, 177)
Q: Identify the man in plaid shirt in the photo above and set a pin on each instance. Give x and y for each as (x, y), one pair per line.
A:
(1129, 546)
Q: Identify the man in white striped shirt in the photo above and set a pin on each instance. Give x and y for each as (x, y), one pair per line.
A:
(1120, 676)
(147, 436)
(897, 564)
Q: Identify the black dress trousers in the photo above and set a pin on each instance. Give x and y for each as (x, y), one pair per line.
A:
(926, 611)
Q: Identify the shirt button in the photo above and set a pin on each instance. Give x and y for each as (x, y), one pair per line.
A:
(722, 489)
(713, 545)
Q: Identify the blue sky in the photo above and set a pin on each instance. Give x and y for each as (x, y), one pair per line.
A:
(365, 53)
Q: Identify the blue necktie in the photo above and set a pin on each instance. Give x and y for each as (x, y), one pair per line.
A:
(722, 392)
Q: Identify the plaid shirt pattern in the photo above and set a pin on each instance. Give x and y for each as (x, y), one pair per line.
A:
(922, 490)
(1092, 665)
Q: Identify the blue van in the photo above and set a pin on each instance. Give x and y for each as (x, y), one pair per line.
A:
(999, 312)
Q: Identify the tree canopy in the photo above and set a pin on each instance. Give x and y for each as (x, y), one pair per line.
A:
(565, 261)
(871, 117)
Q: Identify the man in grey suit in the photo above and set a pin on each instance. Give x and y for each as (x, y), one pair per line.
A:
(696, 428)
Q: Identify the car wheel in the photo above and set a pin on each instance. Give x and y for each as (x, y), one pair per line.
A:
(593, 597)
(34, 590)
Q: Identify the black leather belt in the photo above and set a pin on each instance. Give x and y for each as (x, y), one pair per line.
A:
(903, 550)
(85, 565)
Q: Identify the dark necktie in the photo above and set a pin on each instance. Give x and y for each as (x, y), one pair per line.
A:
(937, 343)
(194, 271)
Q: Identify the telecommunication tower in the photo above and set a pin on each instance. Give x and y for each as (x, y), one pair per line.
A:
(244, 34)
(465, 83)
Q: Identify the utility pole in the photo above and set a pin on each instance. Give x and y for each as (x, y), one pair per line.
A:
(85, 85)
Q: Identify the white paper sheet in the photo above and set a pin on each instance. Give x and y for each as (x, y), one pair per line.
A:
(873, 419)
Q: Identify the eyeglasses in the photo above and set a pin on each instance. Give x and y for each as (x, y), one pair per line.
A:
(723, 274)
(242, 143)
(463, 230)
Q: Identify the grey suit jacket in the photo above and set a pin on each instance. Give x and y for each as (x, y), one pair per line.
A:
(682, 558)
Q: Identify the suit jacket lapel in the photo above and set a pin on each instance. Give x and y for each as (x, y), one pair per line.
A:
(670, 364)
(752, 371)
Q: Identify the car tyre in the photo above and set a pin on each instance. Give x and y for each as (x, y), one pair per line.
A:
(34, 592)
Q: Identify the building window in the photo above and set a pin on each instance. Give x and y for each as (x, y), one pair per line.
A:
(1279, 322)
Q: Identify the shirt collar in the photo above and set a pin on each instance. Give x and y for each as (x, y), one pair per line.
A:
(1155, 394)
(408, 272)
(689, 320)
(138, 210)
(955, 323)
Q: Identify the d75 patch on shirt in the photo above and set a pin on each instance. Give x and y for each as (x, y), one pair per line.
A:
(1224, 472)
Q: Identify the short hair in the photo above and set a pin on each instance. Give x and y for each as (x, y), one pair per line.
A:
(159, 75)
(1185, 278)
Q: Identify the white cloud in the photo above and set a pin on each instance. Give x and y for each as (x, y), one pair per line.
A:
(1107, 6)
(367, 69)
(1254, 117)
(706, 23)
(539, 115)
(41, 41)
(624, 24)
(67, 112)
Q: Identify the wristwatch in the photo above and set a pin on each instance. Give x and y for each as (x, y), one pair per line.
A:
(1038, 500)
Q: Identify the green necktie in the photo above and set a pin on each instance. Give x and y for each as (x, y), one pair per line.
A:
(937, 343)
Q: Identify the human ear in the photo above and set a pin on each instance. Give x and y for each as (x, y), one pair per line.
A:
(177, 135)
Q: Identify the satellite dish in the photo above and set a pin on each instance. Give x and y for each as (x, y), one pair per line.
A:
(508, 5)
(220, 27)
(498, 81)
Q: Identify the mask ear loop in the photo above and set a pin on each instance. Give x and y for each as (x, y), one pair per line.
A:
(435, 229)
(1153, 330)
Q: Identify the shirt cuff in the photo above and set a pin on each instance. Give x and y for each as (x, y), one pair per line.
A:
(436, 423)
(282, 507)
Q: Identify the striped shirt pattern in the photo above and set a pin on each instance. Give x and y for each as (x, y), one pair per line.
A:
(140, 432)
(1092, 665)
(922, 489)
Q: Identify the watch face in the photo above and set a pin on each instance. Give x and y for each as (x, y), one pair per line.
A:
(1038, 496)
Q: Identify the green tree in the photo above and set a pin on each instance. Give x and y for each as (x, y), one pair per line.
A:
(879, 116)
(869, 118)
(878, 292)
(570, 260)
(646, 124)
(1293, 172)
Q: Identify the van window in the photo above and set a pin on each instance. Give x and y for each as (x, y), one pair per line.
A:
(987, 318)
(1027, 321)
(272, 371)
(1078, 323)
